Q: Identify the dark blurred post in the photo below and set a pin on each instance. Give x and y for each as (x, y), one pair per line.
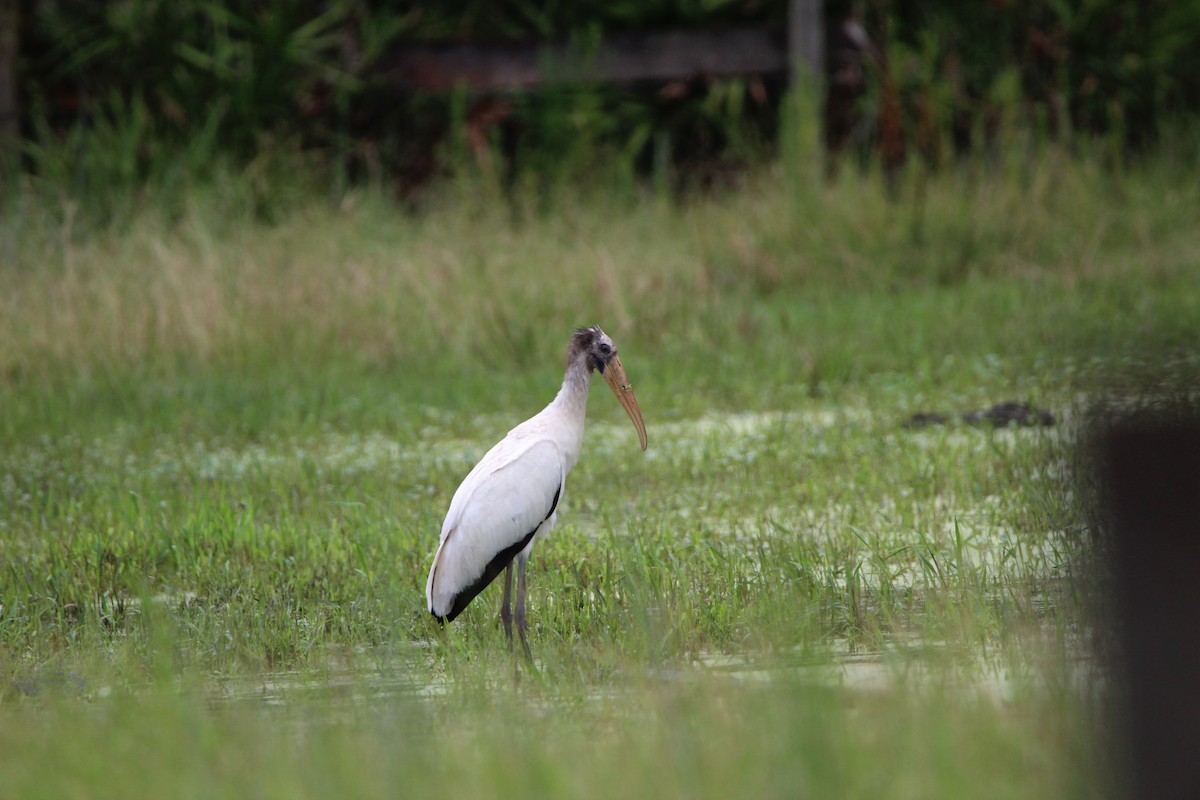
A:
(805, 65)
(806, 40)
(1150, 479)
(9, 109)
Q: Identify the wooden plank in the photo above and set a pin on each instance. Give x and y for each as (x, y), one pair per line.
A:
(624, 58)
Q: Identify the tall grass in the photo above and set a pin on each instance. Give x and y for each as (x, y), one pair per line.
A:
(475, 276)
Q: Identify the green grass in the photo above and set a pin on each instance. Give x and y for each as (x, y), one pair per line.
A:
(227, 445)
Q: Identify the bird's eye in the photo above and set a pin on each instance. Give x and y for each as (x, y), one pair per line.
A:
(605, 349)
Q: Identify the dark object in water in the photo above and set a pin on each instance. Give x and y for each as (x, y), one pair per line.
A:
(1000, 415)
(923, 419)
(1003, 414)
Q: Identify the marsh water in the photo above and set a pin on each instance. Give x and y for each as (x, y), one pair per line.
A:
(706, 461)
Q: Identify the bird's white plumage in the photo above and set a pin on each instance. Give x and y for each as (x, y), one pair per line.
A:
(510, 499)
(507, 495)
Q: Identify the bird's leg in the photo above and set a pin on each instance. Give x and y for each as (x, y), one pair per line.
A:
(505, 608)
(522, 624)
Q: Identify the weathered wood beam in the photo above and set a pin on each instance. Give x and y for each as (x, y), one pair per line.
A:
(623, 58)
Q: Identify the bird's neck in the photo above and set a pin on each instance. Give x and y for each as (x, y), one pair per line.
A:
(570, 406)
(572, 397)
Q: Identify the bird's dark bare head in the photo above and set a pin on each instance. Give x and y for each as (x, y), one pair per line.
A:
(594, 345)
(591, 346)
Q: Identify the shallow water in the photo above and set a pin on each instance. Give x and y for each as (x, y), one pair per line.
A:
(383, 675)
(976, 527)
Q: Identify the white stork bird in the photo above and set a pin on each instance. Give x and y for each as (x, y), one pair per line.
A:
(510, 499)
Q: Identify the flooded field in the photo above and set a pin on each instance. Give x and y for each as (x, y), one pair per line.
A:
(847, 552)
(819, 597)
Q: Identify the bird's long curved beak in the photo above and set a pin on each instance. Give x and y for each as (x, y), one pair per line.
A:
(618, 381)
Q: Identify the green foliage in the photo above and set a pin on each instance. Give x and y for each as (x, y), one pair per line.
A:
(151, 93)
(1114, 69)
(251, 68)
(201, 82)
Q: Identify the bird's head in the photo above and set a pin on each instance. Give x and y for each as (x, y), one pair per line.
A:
(601, 354)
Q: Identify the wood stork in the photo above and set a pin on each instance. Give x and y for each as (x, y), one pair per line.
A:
(510, 499)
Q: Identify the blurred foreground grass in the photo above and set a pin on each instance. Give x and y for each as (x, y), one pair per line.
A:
(227, 446)
(651, 737)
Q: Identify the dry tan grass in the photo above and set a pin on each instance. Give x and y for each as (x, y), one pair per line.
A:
(466, 278)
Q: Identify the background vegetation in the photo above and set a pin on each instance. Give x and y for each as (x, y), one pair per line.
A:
(242, 375)
(154, 92)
